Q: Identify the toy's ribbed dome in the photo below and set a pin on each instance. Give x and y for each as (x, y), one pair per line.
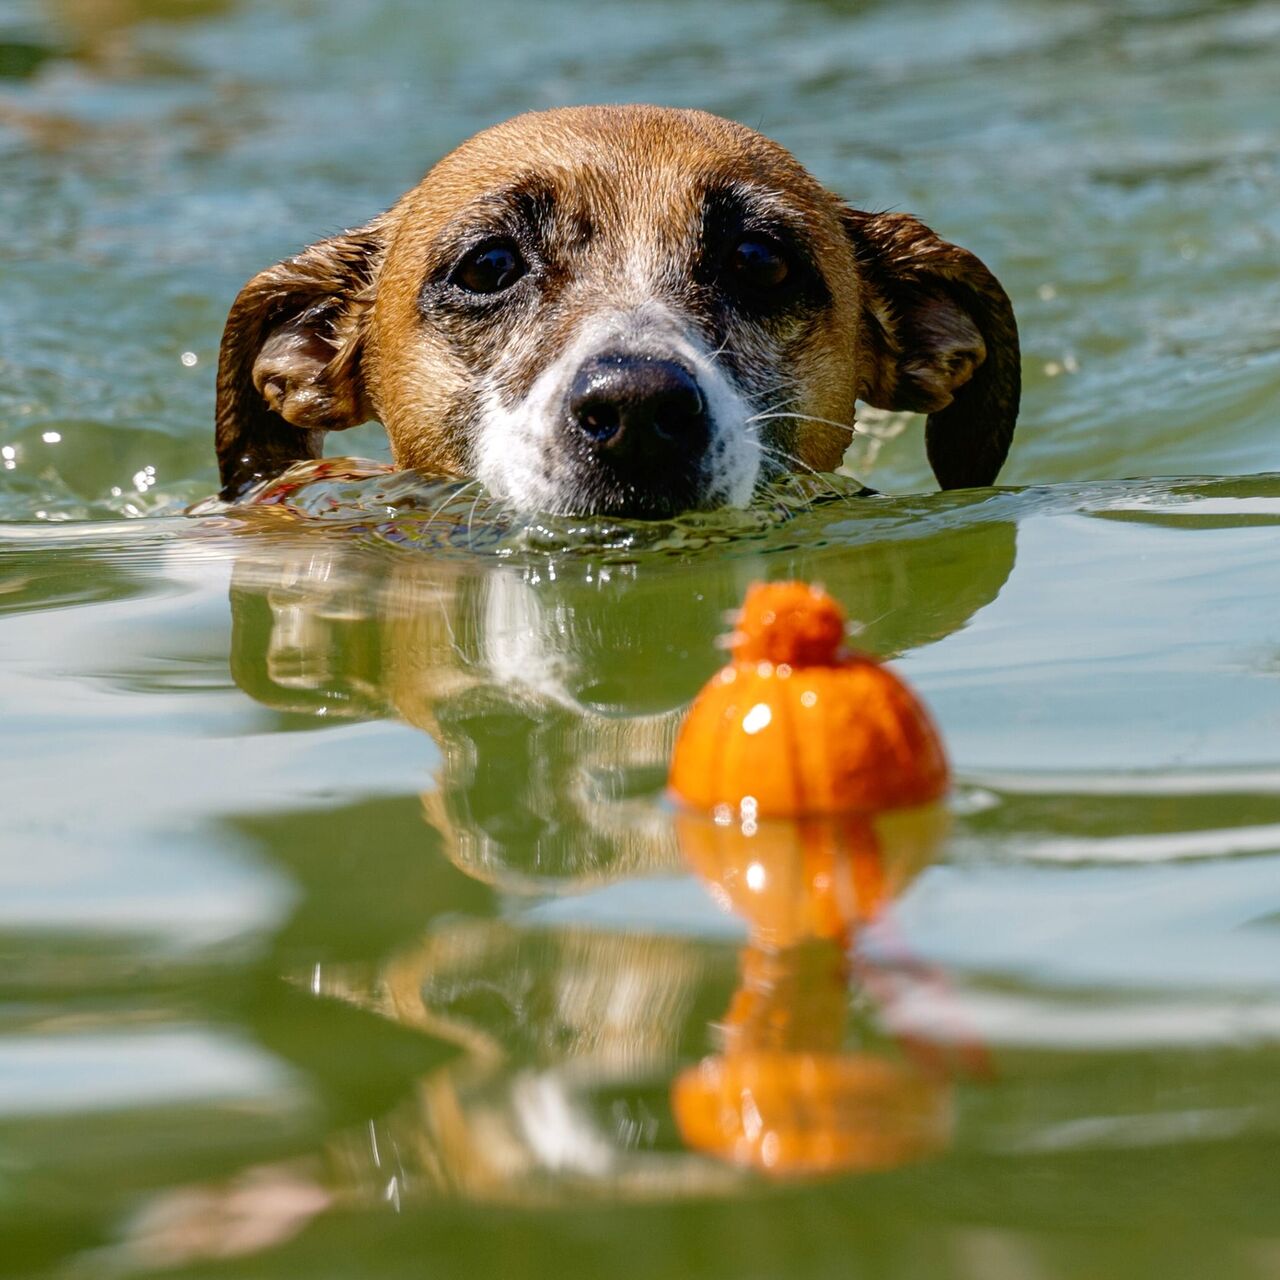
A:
(795, 725)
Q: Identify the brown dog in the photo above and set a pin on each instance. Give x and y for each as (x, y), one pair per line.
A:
(622, 310)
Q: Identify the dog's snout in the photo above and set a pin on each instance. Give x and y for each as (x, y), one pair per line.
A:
(625, 405)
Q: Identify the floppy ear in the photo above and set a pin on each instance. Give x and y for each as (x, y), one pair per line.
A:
(289, 367)
(939, 337)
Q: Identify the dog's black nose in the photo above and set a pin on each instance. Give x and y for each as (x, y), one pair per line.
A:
(628, 407)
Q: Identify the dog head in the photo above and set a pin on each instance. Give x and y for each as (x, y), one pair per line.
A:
(619, 310)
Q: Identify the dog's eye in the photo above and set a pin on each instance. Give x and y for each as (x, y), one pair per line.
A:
(757, 263)
(490, 269)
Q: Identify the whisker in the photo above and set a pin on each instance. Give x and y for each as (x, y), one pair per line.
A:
(794, 463)
(767, 415)
(776, 408)
(765, 389)
(472, 514)
(759, 390)
(788, 460)
(456, 493)
(720, 350)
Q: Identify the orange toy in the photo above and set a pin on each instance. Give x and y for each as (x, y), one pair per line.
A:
(796, 725)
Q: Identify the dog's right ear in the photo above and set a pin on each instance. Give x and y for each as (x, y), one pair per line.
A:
(289, 365)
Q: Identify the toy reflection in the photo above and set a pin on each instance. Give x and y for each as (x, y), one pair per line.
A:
(805, 1081)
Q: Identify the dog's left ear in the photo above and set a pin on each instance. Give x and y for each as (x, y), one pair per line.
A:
(939, 337)
(289, 366)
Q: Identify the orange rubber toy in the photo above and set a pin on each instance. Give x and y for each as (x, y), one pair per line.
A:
(796, 725)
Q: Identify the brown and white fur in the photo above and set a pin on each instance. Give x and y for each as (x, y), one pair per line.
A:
(681, 311)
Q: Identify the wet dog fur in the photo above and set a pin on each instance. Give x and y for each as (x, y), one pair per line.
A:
(628, 310)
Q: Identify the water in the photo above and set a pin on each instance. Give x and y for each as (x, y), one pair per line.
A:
(344, 929)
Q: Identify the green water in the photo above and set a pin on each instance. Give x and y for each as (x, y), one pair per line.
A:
(344, 930)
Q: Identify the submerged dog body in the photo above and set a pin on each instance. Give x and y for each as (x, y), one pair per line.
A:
(621, 310)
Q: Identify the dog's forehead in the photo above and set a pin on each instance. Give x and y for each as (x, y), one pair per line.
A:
(620, 167)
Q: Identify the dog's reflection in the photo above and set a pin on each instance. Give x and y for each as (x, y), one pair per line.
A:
(593, 1061)
(553, 701)
(553, 691)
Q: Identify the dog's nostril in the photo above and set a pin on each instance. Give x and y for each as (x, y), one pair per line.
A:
(678, 411)
(623, 403)
(599, 419)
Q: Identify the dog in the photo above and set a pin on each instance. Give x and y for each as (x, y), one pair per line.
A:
(619, 310)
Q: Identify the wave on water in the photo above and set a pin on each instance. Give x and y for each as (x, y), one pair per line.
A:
(416, 510)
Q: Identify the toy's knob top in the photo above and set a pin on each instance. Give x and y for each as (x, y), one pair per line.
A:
(788, 623)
